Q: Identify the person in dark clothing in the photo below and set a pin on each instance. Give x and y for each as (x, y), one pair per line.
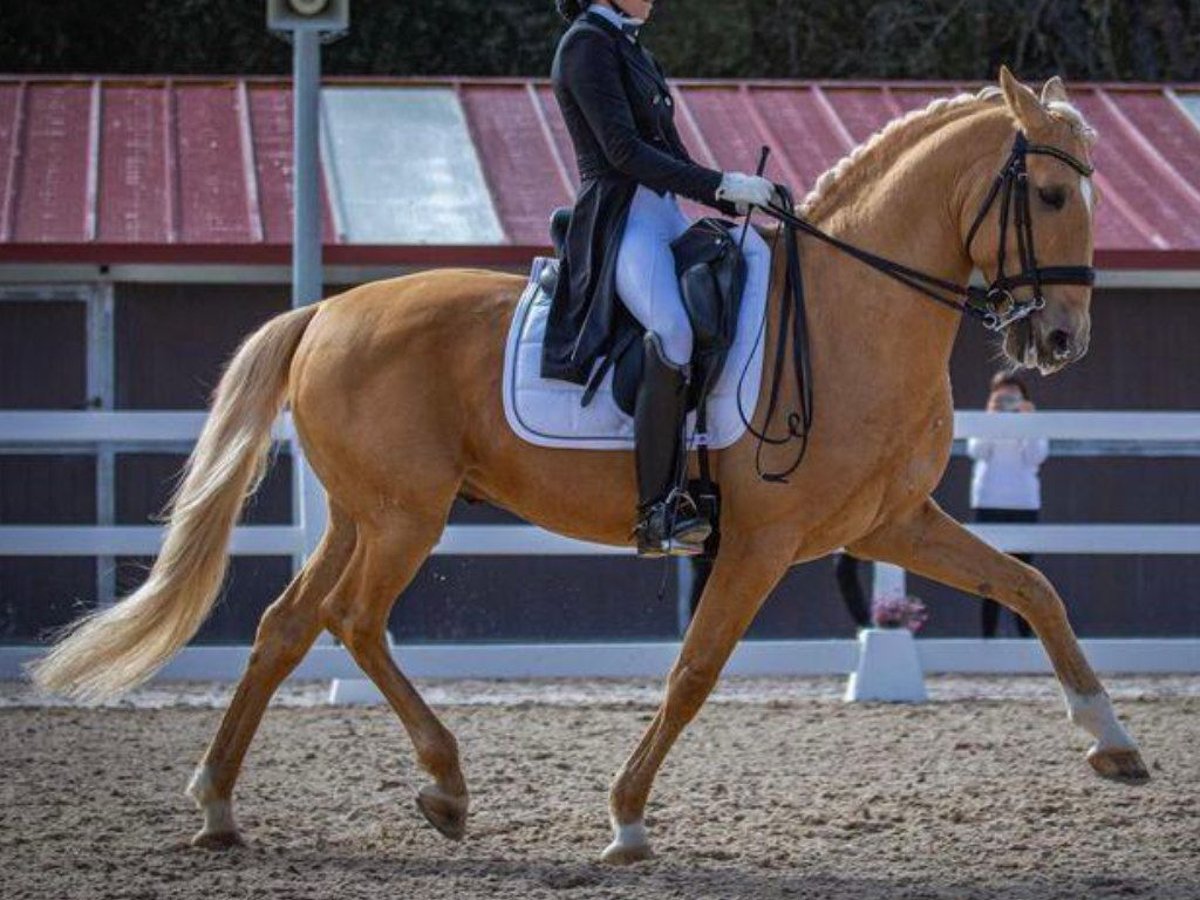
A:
(845, 568)
(619, 113)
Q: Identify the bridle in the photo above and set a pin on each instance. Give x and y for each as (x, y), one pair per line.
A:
(994, 306)
(1012, 187)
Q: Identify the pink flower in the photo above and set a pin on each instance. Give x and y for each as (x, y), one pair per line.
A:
(898, 611)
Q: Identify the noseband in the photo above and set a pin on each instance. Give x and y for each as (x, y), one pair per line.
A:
(994, 306)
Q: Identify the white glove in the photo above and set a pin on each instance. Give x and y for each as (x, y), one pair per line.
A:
(744, 190)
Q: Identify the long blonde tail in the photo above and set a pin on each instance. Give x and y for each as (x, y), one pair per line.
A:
(106, 653)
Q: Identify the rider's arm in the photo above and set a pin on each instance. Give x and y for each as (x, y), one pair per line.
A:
(591, 69)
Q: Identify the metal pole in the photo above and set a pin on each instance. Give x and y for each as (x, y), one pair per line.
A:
(308, 495)
(306, 229)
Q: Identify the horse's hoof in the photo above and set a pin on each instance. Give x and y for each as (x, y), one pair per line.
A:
(217, 840)
(445, 812)
(630, 844)
(618, 854)
(1119, 764)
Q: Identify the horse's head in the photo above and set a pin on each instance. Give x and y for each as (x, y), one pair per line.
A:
(1060, 203)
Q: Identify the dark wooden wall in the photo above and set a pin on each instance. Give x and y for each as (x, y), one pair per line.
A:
(170, 342)
(43, 365)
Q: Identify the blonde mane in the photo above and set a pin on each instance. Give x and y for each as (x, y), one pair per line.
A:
(926, 118)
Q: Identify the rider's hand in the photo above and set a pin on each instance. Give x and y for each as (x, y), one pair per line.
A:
(744, 191)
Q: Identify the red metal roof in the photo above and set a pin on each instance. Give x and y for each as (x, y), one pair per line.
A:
(189, 170)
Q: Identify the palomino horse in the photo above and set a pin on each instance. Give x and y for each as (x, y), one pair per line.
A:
(395, 392)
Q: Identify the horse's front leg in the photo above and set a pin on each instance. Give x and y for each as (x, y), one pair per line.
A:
(746, 570)
(932, 544)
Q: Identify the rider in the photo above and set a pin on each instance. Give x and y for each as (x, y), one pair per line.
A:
(632, 163)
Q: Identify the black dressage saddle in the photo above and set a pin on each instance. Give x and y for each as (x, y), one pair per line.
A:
(712, 274)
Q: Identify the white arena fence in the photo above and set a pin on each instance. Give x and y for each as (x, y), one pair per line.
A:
(1103, 433)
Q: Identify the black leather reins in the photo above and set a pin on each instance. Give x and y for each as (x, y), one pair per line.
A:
(994, 305)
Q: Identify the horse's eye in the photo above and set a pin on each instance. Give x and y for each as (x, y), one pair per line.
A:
(1053, 197)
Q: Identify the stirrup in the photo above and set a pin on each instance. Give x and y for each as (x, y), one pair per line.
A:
(672, 527)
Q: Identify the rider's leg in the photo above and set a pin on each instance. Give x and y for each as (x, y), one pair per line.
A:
(646, 280)
(647, 284)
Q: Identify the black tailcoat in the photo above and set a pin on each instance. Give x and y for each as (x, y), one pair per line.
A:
(620, 114)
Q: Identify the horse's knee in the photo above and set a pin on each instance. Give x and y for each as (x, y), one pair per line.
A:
(690, 685)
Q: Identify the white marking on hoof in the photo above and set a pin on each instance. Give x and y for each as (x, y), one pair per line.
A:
(630, 844)
(219, 825)
(1094, 714)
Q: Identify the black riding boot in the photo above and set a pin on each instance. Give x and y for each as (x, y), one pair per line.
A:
(668, 522)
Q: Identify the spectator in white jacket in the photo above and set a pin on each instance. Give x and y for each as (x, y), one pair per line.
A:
(1005, 486)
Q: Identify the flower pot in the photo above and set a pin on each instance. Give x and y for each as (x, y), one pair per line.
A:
(888, 669)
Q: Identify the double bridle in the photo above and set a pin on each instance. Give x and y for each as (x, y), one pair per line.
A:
(993, 305)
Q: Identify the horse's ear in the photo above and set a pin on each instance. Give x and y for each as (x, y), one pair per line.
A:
(1022, 102)
(1054, 91)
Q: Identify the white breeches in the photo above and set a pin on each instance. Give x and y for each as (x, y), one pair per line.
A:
(646, 281)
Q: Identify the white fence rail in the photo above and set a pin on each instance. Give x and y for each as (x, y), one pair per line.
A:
(55, 429)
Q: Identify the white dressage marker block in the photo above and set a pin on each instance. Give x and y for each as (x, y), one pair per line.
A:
(888, 668)
(354, 692)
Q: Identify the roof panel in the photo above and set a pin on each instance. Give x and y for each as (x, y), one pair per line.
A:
(1152, 199)
(51, 187)
(405, 169)
(1165, 127)
(726, 124)
(212, 179)
(907, 98)
(811, 142)
(558, 128)
(132, 201)
(11, 98)
(1190, 101)
(271, 127)
(200, 168)
(862, 110)
(526, 174)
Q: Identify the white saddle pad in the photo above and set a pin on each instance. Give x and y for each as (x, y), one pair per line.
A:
(547, 411)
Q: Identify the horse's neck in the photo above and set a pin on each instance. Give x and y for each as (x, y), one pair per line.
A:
(908, 215)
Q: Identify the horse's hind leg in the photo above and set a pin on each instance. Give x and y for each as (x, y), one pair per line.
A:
(386, 558)
(287, 630)
(932, 544)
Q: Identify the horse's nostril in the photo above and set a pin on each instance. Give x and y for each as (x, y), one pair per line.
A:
(1060, 342)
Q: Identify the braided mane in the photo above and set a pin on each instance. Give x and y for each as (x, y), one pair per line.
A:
(937, 113)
